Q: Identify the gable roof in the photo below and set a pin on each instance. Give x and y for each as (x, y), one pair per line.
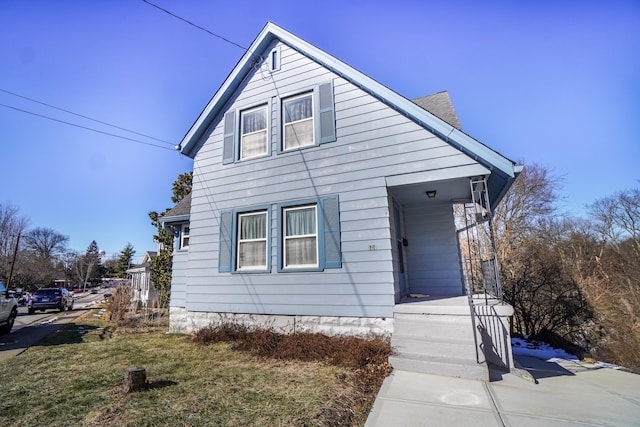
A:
(504, 171)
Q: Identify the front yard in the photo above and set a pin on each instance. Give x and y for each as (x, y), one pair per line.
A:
(75, 377)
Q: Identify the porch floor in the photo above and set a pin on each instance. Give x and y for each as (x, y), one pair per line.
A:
(443, 304)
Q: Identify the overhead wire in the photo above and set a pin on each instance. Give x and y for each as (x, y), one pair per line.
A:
(85, 117)
(195, 25)
(86, 127)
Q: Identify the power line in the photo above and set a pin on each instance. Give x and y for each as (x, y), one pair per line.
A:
(84, 117)
(86, 128)
(195, 25)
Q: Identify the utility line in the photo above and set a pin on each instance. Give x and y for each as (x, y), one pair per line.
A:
(195, 25)
(86, 128)
(84, 117)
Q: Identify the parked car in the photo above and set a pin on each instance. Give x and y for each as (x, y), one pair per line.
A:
(8, 310)
(24, 297)
(50, 298)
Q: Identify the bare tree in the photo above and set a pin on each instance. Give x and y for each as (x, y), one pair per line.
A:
(86, 266)
(12, 225)
(544, 296)
(531, 200)
(614, 288)
(45, 242)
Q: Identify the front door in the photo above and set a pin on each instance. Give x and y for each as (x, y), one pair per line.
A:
(399, 239)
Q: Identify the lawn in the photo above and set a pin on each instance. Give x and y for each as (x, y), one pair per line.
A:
(74, 378)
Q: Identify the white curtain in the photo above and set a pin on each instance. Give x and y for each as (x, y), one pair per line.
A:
(298, 129)
(298, 109)
(252, 247)
(254, 133)
(301, 250)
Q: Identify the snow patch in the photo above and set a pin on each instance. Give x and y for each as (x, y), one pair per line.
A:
(539, 350)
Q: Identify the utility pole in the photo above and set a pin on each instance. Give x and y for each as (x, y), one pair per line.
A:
(13, 262)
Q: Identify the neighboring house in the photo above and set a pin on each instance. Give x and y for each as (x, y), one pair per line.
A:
(323, 201)
(140, 274)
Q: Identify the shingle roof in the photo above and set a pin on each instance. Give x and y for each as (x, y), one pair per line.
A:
(180, 211)
(440, 105)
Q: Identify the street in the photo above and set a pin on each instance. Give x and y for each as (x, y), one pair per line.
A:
(30, 328)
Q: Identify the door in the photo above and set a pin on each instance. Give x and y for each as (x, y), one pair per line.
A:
(399, 240)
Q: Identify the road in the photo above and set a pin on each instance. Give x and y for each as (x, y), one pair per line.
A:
(30, 328)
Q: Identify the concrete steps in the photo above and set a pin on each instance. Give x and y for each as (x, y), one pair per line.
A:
(437, 338)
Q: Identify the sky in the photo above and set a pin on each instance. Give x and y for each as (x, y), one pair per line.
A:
(555, 83)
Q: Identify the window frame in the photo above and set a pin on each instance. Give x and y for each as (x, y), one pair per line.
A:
(328, 232)
(228, 240)
(284, 237)
(274, 59)
(238, 241)
(181, 239)
(283, 122)
(241, 134)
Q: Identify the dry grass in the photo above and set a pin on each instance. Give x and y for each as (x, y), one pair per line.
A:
(75, 376)
(366, 359)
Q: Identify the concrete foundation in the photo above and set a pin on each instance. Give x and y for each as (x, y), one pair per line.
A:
(183, 321)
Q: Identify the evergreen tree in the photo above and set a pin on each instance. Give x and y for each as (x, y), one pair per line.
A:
(89, 266)
(162, 264)
(123, 263)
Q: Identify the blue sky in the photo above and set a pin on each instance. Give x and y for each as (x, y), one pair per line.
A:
(549, 82)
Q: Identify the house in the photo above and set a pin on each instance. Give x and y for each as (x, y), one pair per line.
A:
(140, 275)
(324, 201)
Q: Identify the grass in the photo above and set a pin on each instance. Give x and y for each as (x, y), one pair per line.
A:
(74, 378)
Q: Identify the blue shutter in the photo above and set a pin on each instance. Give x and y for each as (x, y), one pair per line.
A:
(326, 113)
(229, 141)
(226, 246)
(278, 120)
(331, 232)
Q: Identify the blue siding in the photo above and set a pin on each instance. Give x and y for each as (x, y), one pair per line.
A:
(372, 142)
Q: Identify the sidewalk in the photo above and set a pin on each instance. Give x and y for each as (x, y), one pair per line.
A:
(568, 393)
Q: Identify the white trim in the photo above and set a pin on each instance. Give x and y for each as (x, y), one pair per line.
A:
(265, 131)
(240, 241)
(285, 266)
(284, 124)
(183, 235)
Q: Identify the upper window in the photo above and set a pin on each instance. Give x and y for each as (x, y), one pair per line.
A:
(274, 60)
(306, 119)
(253, 139)
(300, 237)
(298, 122)
(252, 241)
(184, 236)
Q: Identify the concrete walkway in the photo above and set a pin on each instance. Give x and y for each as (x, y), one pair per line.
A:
(566, 394)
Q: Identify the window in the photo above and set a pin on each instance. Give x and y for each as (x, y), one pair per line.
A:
(274, 60)
(308, 237)
(300, 237)
(244, 240)
(252, 241)
(298, 122)
(306, 119)
(253, 140)
(184, 236)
